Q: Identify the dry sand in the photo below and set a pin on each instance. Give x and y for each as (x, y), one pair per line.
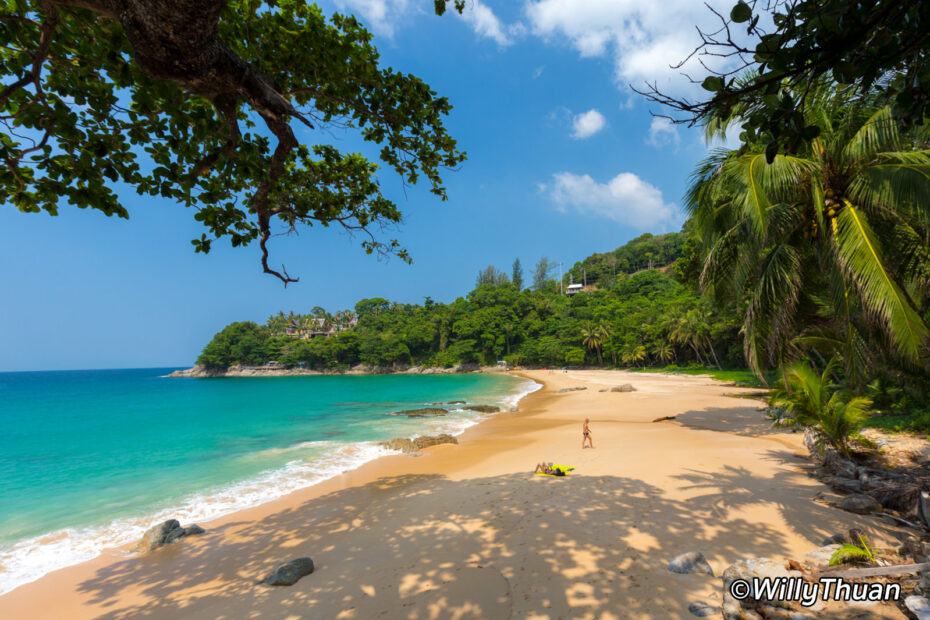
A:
(466, 532)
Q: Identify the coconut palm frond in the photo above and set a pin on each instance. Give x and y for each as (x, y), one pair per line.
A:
(897, 180)
(877, 134)
(859, 251)
(774, 300)
(726, 266)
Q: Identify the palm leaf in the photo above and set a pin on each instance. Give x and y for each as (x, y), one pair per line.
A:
(899, 180)
(877, 134)
(771, 308)
(860, 254)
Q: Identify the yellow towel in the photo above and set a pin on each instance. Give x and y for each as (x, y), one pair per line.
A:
(566, 468)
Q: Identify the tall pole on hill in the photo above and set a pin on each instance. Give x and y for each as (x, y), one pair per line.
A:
(561, 291)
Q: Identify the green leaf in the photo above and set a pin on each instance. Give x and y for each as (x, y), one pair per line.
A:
(712, 83)
(741, 13)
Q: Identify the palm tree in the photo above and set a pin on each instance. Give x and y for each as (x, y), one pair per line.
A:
(693, 329)
(663, 351)
(812, 401)
(831, 245)
(593, 336)
(633, 353)
(276, 323)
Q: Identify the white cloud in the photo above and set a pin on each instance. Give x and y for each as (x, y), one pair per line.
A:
(380, 16)
(384, 17)
(587, 124)
(486, 24)
(625, 198)
(642, 38)
(662, 133)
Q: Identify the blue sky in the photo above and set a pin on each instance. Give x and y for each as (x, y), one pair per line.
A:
(564, 160)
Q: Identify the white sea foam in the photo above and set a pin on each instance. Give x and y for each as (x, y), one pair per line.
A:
(463, 419)
(30, 559)
(524, 389)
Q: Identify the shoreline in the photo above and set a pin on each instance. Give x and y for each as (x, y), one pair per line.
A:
(356, 524)
(349, 457)
(238, 370)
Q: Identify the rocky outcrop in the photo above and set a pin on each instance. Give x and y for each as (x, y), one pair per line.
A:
(571, 389)
(626, 387)
(482, 408)
(421, 413)
(288, 573)
(408, 446)
(238, 370)
(746, 570)
(200, 372)
(451, 402)
(166, 533)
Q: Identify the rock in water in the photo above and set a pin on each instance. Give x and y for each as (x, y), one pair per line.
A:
(165, 533)
(626, 387)
(691, 562)
(288, 573)
(482, 408)
(860, 504)
(420, 413)
(702, 610)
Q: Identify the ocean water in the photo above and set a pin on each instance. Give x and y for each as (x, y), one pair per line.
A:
(90, 459)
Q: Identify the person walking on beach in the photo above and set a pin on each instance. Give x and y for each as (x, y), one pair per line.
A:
(586, 435)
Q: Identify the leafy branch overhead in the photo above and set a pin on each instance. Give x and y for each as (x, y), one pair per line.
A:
(765, 75)
(197, 101)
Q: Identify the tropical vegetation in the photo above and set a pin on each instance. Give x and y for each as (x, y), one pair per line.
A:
(641, 316)
(829, 251)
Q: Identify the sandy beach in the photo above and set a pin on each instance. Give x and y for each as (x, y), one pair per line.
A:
(467, 532)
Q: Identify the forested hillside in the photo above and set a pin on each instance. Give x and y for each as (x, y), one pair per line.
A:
(641, 307)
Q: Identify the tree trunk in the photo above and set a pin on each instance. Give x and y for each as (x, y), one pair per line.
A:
(710, 345)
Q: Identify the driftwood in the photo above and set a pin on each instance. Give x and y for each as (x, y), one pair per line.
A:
(876, 571)
(664, 418)
(900, 520)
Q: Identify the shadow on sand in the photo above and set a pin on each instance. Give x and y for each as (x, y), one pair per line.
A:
(497, 547)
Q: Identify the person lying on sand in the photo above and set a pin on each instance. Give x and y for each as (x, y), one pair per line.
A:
(586, 435)
(547, 468)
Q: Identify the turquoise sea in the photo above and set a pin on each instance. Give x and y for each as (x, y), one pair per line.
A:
(89, 459)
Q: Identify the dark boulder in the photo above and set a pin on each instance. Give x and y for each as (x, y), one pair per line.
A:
(860, 504)
(288, 573)
(165, 533)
